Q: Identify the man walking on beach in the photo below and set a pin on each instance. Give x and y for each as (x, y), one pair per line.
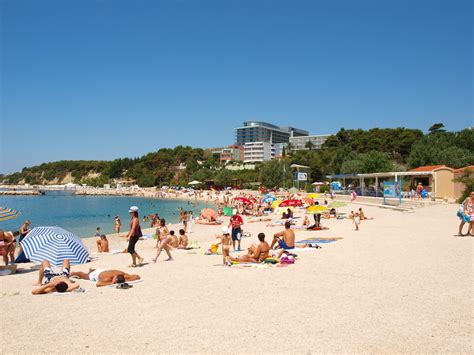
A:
(236, 222)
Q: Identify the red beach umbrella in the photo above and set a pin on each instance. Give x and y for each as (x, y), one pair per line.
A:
(244, 200)
(288, 203)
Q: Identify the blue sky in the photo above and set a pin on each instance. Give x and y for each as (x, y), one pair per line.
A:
(106, 79)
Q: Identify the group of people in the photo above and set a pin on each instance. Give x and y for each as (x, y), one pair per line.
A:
(356, 217)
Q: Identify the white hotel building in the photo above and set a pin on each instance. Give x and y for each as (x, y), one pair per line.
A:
(258, 152)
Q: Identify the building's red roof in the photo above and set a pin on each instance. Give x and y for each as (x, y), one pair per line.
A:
(468, 168)
(428, 168)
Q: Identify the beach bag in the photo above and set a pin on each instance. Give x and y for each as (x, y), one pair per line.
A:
(460, 212)
(467, 218)
(287, 259)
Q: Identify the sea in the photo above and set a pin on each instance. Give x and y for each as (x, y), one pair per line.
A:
(83, 214)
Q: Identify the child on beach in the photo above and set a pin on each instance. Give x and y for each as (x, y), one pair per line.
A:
(182, 240)
(226, 241)
(356, 220)
(306, 222)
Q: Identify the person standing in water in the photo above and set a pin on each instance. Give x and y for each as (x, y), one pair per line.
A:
(133, 236)
(117, 225)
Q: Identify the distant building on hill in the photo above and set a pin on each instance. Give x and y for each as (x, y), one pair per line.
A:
(231, 153)
(257, 131)
(308, 142)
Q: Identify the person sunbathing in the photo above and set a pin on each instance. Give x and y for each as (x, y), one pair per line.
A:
(54, 281)
(103, 277)
(285, 239)
(182, 240)
(256, 253)
(102, 244)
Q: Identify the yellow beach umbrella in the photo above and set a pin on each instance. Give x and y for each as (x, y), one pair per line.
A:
(313, 195)
(276, 203)
(316, 209)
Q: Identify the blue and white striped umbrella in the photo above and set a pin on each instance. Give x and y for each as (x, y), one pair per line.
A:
(54, 244)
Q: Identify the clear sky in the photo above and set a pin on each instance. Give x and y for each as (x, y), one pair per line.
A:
(105, 79)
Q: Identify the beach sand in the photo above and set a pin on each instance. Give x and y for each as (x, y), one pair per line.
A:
(403, 283)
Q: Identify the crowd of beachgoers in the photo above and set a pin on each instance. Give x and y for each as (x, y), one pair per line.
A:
(291, 211)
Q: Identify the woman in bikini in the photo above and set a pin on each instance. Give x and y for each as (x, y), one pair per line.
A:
(162, 242)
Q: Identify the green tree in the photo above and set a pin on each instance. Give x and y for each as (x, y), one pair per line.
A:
(353, 166)
(224, 177)
(274, 173)
(437, 128)
(374, 162)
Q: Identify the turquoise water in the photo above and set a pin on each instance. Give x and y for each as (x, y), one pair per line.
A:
(83, 214)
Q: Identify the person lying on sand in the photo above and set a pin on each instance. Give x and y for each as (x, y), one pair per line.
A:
(102, 244)
(103, 277)
(54, 281)
(285, 239)
(256, 253)
(182, 240)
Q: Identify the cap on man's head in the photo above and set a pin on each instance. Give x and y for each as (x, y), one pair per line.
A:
(133, 209)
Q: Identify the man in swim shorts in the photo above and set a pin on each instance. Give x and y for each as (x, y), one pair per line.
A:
(51, 281)
(103, 277)
(285, 239)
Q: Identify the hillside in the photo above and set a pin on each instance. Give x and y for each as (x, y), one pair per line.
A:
(348, 151)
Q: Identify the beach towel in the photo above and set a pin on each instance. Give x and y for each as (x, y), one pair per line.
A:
(297, 250)
(113, 285)
(79, 290)
(111, 252)
(313, 242)
(236, 265)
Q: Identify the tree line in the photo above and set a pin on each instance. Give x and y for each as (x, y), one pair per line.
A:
(347, 152)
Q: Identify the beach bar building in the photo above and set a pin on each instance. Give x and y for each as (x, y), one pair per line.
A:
(437, 180)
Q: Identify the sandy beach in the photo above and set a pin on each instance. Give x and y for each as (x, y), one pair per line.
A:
(403, 283)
